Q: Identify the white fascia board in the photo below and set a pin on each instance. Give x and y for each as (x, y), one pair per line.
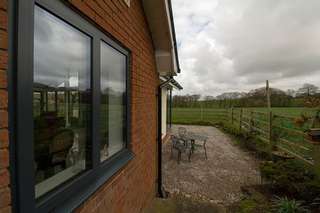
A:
(159, 20)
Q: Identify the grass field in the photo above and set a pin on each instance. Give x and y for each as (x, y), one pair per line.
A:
(197, 115)
(285, 131)
(210, 114)
(215, 115)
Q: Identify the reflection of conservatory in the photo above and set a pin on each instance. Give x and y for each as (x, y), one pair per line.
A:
(58, 121)
(61, 100)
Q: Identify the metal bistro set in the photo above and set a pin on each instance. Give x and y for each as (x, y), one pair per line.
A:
(187, 142)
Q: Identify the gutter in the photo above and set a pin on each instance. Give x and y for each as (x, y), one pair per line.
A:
(12, 13)
(174, 35)
(170, 81)
(161, 191)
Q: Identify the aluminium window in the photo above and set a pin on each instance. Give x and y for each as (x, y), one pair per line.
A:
(113, 90)
(73, 107)
(62, 63)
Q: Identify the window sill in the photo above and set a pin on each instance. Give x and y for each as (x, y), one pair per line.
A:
(80, 189)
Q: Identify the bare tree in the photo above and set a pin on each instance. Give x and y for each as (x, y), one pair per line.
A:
(307, 90)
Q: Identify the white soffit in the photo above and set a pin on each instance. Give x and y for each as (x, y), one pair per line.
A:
(159, 21)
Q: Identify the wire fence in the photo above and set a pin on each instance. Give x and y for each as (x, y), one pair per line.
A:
(280, 131)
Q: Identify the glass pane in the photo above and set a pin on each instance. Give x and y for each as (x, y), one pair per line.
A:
(61, 100)
(113, 88)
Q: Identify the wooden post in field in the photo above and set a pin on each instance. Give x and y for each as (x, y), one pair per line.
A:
(268, 95)
(240, 120)
(270, 128)
(232, 115)
(201, 111)
(270, 117)
(251, 121)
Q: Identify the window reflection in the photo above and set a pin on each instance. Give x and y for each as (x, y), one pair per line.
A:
(61, 100)
(113, 87)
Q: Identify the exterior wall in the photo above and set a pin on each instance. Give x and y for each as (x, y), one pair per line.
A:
(5, 194)
(132, 189)
(164, 93)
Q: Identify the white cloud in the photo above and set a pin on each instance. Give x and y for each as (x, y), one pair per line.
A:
(228, 45)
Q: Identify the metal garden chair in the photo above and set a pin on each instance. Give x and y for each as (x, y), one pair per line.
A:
(195, 139)
(180, 147)
(182, 133)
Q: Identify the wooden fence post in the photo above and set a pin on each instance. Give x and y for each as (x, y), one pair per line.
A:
(271, 142)
(232, 115)
(316, 158)
(251, 121)
(240, 120)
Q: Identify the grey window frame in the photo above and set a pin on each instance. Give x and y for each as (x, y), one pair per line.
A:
(73, 192)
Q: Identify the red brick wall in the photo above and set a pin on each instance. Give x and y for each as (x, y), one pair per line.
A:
(134, 187)
(5, 199)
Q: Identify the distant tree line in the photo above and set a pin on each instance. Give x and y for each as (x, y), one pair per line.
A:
(306, 96)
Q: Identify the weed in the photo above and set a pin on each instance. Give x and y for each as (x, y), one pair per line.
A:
(285, 205)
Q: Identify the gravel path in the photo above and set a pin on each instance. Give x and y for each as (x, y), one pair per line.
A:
(217, 179)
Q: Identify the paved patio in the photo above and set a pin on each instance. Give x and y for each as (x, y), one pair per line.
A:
(218, 179)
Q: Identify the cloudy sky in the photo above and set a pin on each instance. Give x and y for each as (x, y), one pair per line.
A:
(232, 45)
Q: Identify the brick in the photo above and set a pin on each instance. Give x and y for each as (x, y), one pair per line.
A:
(4, 178)
(5, 197)
(4, 158)
(3, 60)
(3, 79)
(3, 4)
(4, 138)
(127, 25)
(7, 209)
(79, 4)
(3, 119)
(3, 20)
(3, 99)
(3, 40)
(96, 8)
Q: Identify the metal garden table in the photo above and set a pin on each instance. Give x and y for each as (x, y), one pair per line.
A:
(193, 141)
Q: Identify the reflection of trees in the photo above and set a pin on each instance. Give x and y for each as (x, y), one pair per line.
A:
(112, 92)
(67, 102)
(111, 115)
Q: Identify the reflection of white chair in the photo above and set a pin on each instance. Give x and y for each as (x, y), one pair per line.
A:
(104, 153)
(74, 152)
(59, 147)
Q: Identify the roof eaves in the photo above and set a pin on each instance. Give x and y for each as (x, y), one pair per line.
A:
(174, 36)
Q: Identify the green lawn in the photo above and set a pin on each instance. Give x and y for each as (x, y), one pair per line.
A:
(289, 111)
(197, 115)
(215, 115)
(284, 123)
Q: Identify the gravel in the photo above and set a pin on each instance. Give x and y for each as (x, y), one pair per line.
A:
(219, 178)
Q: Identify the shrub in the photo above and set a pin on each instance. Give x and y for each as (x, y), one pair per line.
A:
(284, 205)
(248, 141)
(291, 178)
